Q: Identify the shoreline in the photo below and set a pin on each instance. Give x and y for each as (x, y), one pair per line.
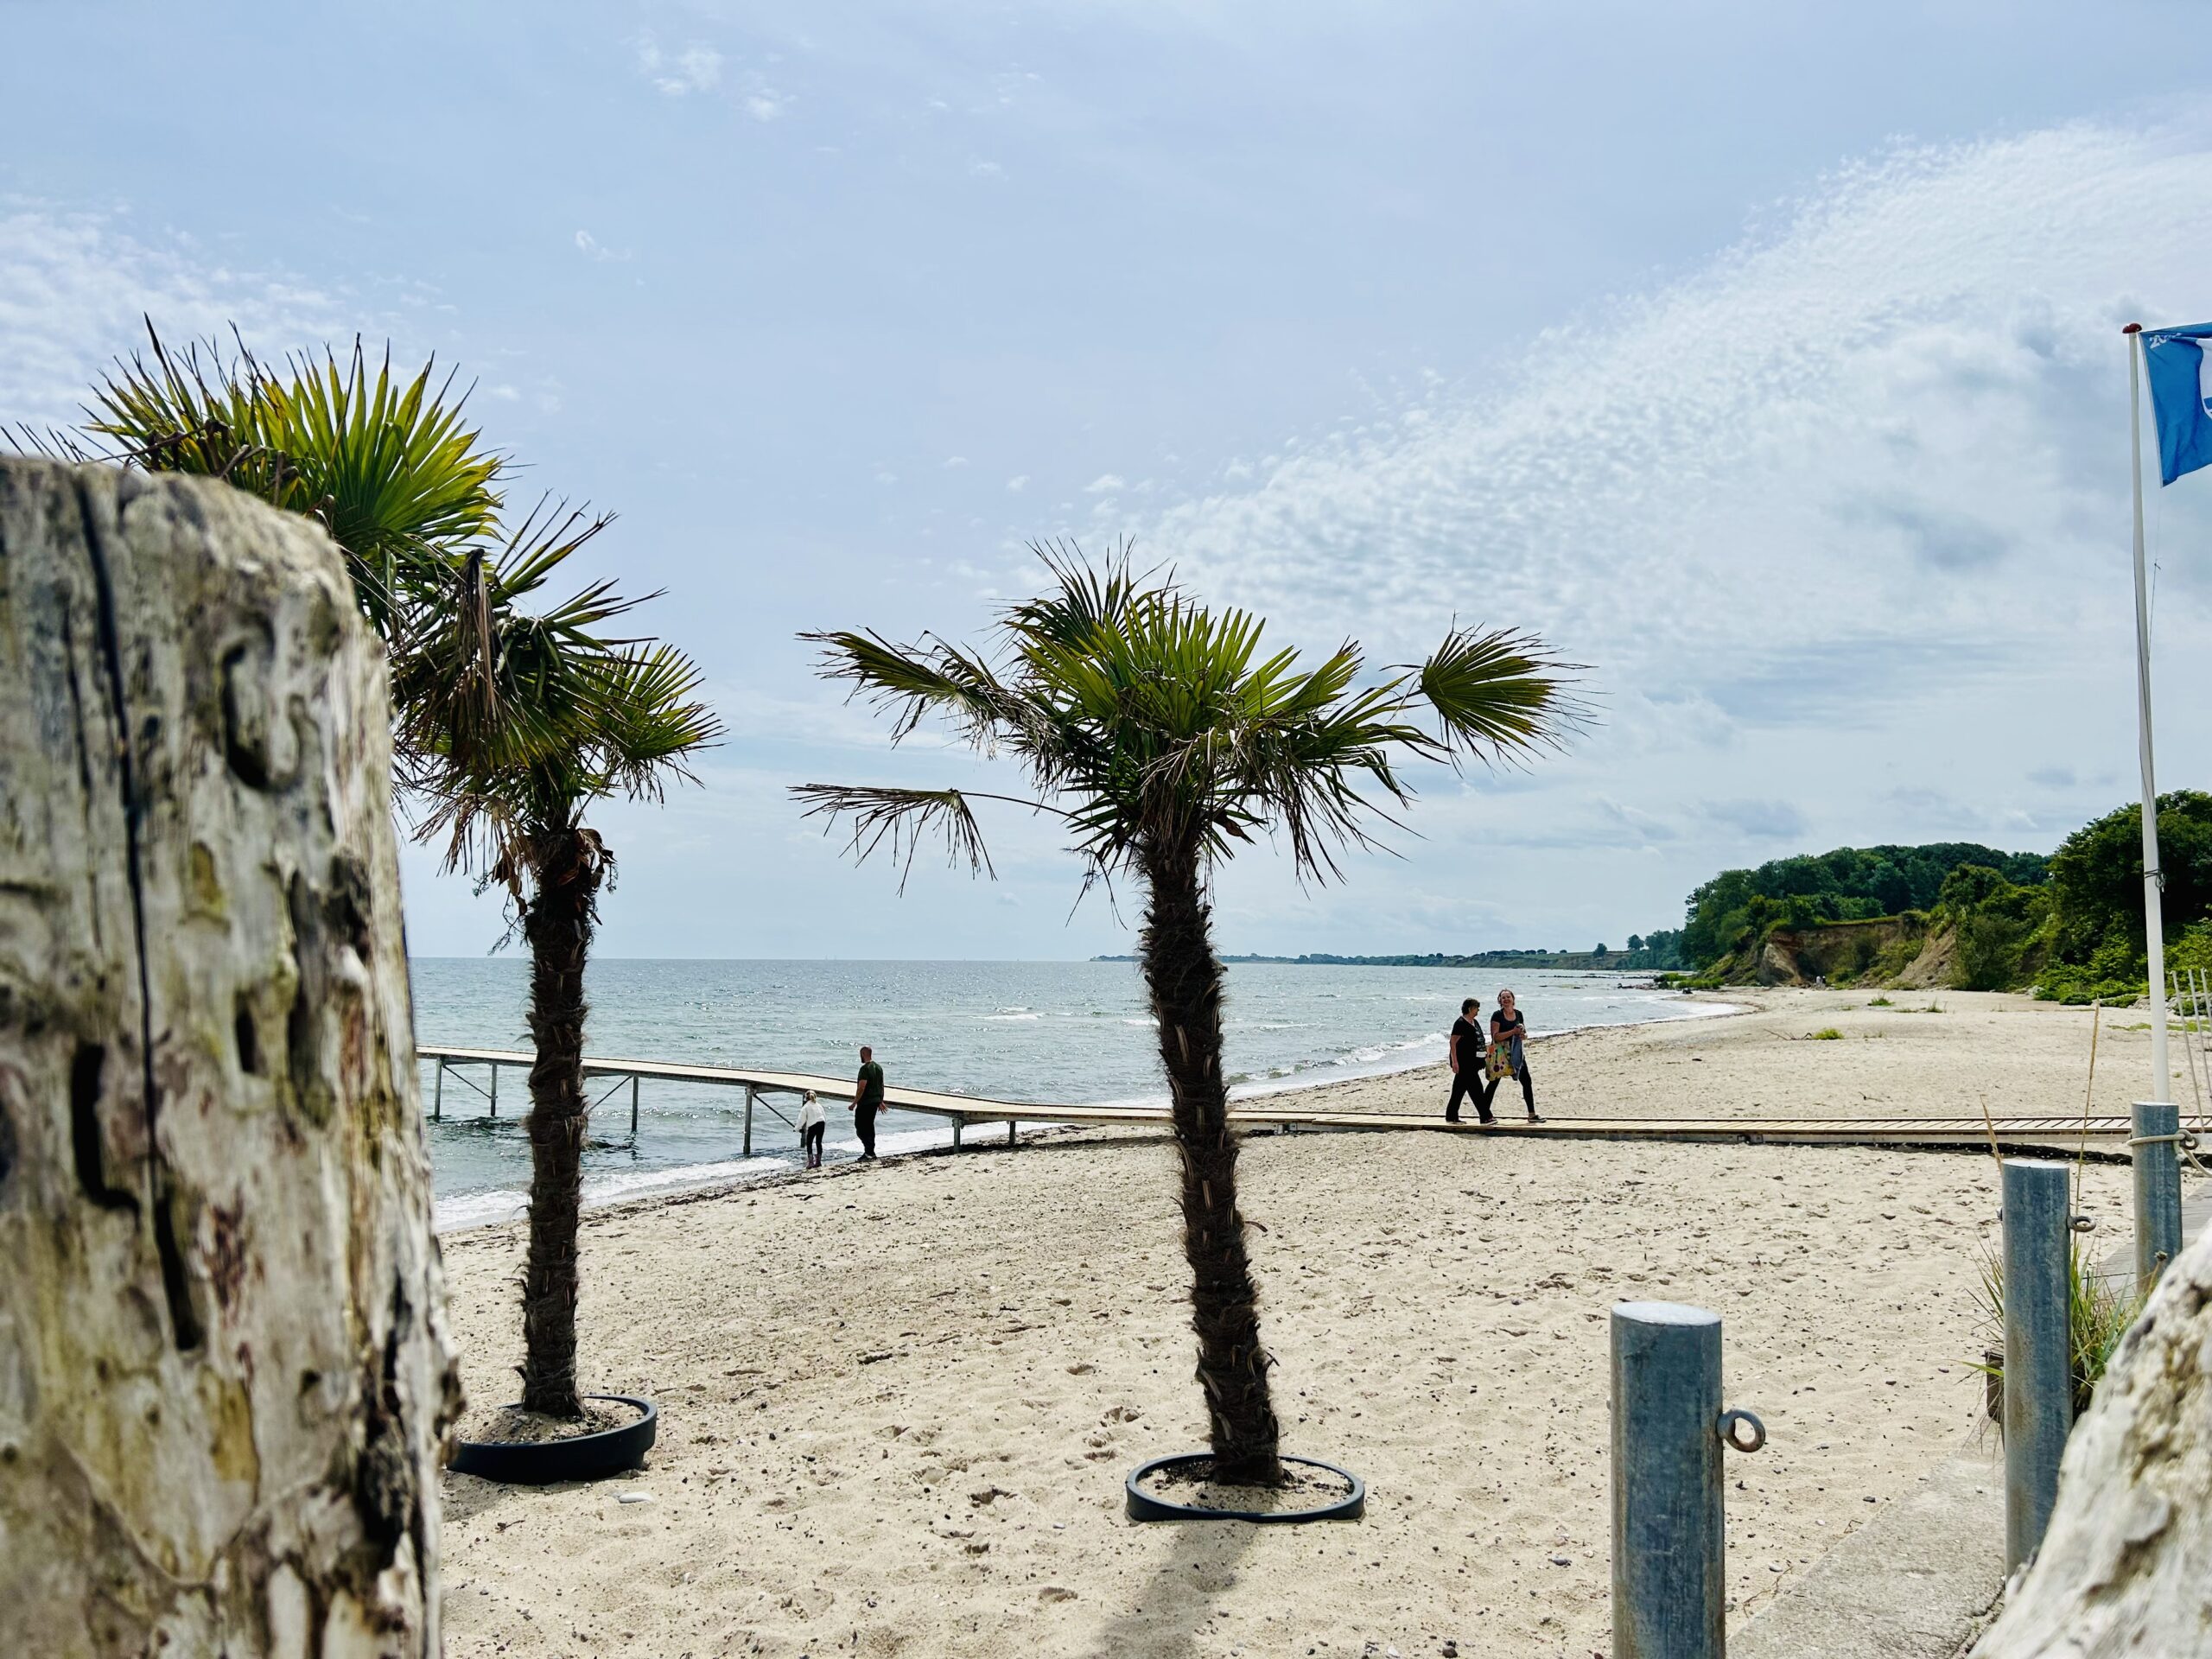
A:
(692, 1180)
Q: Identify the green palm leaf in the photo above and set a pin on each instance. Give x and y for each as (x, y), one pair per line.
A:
(1147, 719)
(389, 469)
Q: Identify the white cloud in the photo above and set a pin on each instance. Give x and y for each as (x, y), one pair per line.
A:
(1759, 820)
(695, 68)
(592, 248)
(1891, 427)
(1643, 825)
(953, 461)
(1103, 484)
(1839, 519)
(766, 105)
(980, 169)
(1017, 483)
(75, 286)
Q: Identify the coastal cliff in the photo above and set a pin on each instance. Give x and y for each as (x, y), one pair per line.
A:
(1905, 952)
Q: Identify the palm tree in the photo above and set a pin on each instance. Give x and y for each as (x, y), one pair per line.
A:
(621, 722)
(507, 720)
(1163, 738)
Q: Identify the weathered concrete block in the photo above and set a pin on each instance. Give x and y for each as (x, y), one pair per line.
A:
(224, 1374)
(2126, 1565)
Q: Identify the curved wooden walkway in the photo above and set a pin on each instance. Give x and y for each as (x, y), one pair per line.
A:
(2108, 1134)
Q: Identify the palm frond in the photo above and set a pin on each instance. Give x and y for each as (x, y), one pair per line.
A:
(911, 681)
(1172, 731)
(1089, 598)
(651, 723)
(1499, 695)
(389, 469)
(896, 821)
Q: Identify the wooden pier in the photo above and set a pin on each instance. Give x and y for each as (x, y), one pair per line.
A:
(2107, 1135)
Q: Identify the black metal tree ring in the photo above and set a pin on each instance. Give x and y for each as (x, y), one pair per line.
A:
(1143, 1506)
(582, 1457)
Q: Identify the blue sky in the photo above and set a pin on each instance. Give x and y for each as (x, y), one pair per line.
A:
(1765, 358)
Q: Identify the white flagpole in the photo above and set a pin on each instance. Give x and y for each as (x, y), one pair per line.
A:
(2153, 922)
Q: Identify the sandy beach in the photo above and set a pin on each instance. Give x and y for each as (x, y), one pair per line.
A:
(1929, 1053)
(900, 1401)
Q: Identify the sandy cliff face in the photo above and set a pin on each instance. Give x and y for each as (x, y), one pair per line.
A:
(1932, 967)
(1888, 950)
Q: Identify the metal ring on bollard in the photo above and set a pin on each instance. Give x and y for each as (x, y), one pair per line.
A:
(1730, 1420)
(2082, 1223)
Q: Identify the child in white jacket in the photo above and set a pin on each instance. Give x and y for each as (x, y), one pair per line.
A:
(813, 1124)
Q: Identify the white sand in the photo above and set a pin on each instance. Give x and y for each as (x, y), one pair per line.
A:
(900, 1402)
(2010, 1054)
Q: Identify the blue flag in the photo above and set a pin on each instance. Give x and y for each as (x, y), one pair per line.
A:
(2181, 397)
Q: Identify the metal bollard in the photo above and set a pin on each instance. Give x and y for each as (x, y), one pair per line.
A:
(748, 1121)
(633, 1111)
(1670, 1538)
(2157, 1149)
(2038, 1348)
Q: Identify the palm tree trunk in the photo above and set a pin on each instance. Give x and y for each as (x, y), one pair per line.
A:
(1184, 976)
(558, 923)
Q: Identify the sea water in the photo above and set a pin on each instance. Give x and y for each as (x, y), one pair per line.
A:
(1069, 1033)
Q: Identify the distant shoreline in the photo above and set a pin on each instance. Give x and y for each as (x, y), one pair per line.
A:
(1575, 961)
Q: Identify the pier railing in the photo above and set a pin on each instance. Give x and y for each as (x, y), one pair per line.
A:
(960, 1110)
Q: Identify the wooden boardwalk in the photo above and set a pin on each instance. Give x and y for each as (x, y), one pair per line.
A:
(2108, 1134)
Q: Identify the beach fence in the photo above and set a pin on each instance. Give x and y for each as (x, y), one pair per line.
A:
(2189, 993)
(1670, 1580)
(1669, 1565)
(2039, 1243)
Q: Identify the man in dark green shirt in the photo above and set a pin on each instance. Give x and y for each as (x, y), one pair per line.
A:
(868, 1100)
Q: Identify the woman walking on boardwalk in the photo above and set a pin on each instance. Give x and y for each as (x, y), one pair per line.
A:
(1508, 1032)
(1466, 1056)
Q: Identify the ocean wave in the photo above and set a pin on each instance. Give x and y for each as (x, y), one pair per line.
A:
(466, 1209)
(485, 1209)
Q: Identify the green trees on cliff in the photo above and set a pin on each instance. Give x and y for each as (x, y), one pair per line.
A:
(2095, 931)
(1849, 884)
(2069, 924)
